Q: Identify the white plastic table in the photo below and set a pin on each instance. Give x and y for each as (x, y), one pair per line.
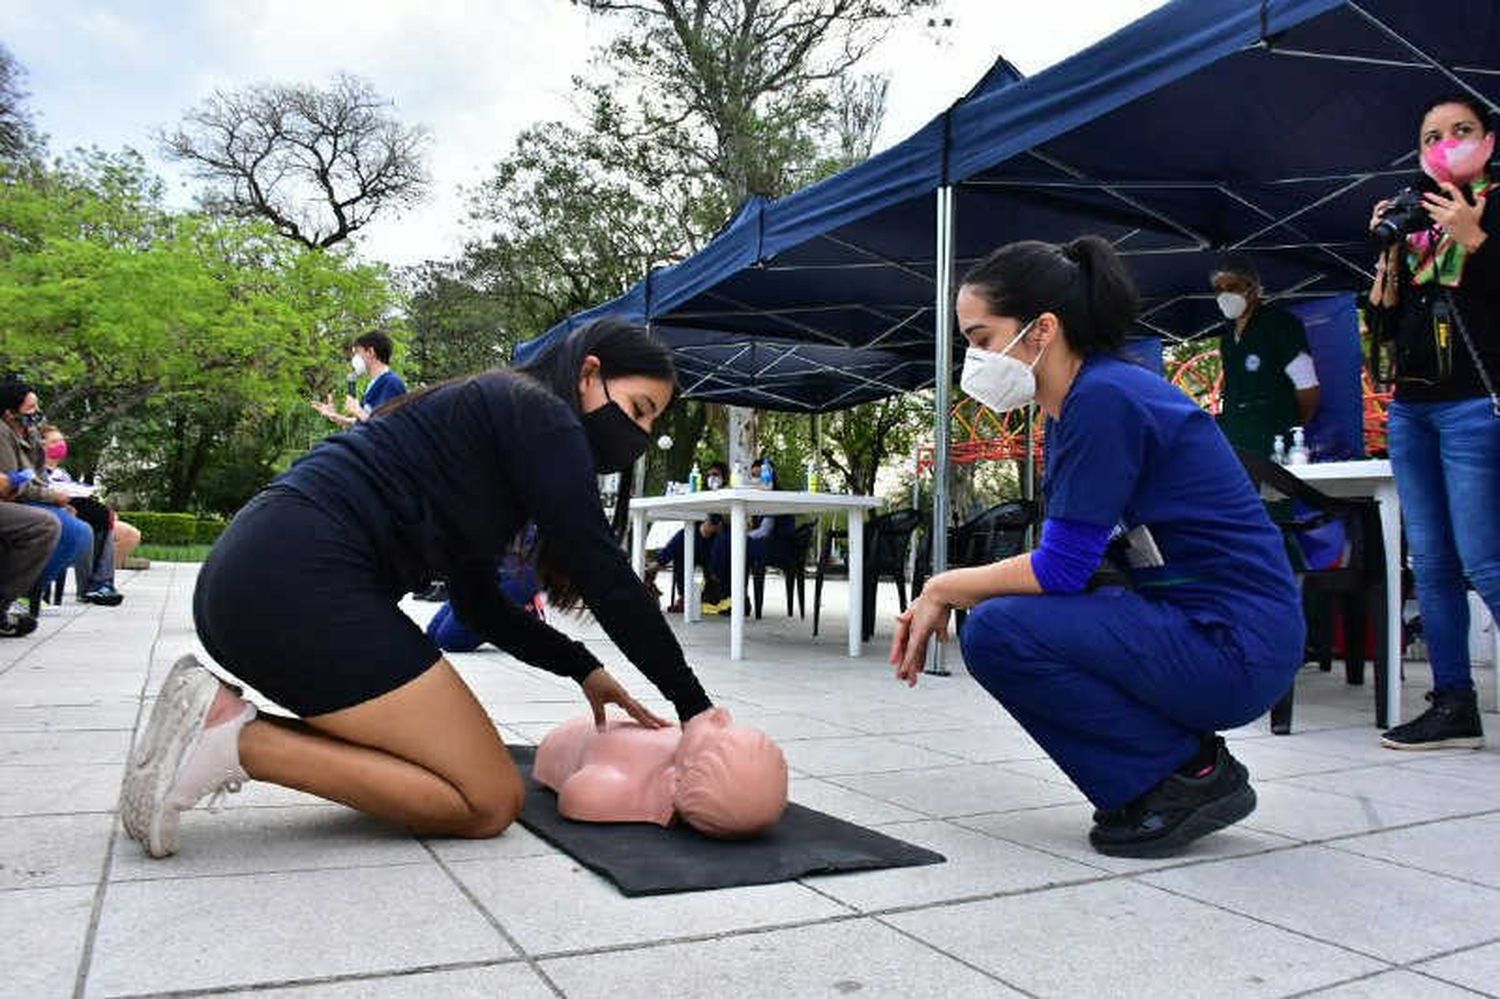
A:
(1372, 478)
(740, 502)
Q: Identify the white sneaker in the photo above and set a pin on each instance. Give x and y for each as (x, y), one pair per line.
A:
(173, 733)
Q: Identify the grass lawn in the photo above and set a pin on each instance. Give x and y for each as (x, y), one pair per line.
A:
(173, 553)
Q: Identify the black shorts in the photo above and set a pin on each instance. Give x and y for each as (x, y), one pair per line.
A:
(292, 602)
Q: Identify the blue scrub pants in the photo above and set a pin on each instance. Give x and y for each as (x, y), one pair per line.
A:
(1120, 689)
(518, 584)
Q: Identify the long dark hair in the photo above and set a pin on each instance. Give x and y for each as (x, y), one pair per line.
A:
(1082, 282)
(623, 349)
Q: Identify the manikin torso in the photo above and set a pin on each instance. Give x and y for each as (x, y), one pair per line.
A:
(725, 779)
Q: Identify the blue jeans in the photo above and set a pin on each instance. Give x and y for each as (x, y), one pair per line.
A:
(1119, 689)
(671, 554)
(1446, 457)
(76, 539)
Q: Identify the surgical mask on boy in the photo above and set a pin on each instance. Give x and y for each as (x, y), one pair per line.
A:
(1232, 304)
(998, 380)
(715, 481)
(357, 362)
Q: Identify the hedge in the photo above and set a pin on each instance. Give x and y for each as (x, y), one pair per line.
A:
(175, 528)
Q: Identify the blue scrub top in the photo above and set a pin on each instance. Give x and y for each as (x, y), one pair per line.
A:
(382, 390)
(1131, 449)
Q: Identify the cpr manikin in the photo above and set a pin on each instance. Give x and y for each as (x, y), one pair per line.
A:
(723, 779)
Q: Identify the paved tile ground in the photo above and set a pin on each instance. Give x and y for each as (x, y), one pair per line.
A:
(1363, 873)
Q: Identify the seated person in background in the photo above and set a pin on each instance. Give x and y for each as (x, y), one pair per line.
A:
(21, 450)
(94, 568)
(1270, 384)
(517, 579)
(770, 542)
(725, 780)
(671, 552)
(28, 537)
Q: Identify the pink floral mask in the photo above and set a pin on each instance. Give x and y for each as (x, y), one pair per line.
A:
(1458, 161)
(57, 451)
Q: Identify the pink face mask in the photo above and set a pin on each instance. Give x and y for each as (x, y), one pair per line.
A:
(57, 450)
(1458, 161)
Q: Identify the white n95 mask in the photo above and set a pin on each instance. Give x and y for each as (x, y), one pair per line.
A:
(1232, 304)
(357, 362)
(998, 380)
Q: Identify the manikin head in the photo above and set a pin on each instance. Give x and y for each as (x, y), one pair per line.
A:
(723, 779)
(731, 779)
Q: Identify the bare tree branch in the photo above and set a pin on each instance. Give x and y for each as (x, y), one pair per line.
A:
(318, 163)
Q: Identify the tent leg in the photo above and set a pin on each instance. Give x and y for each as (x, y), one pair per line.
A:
(943, 403)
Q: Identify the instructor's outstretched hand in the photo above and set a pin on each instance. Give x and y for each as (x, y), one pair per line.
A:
(601, 688)
(922, 618)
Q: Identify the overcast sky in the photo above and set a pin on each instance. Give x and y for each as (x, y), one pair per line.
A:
(110, 74)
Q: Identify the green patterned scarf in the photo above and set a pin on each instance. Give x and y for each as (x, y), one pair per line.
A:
(1438, 258)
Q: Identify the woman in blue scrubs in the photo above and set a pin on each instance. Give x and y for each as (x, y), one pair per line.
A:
(1123, 687)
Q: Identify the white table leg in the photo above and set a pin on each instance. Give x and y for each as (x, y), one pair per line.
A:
(738, 528)
(638, 542)
(1390, 533)
(691, 611)
(856, 579)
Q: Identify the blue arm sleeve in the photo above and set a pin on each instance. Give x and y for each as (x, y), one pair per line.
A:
(1069, 553)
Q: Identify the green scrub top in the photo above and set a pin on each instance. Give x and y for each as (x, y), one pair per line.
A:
(1260, 400)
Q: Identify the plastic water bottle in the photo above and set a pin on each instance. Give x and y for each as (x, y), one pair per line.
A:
(765, 473)
(1297, 455)
(1278, 450)
(812, 476)
(695, 479)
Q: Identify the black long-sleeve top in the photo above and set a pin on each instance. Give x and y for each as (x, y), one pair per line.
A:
(1409, 324)
(524, 456)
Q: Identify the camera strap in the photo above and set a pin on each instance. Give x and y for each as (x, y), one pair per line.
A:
(1463, 332)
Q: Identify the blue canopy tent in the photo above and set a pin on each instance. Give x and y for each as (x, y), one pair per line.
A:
(1264, 126)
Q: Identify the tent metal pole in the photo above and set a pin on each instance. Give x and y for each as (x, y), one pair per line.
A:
(943, 403)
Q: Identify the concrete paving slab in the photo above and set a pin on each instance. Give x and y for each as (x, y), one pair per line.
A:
(1477, 968)
(46, 851)
(1124, 940)
(42, 934)
(215, 932)
(1378, 901)
(854, 958)
(514, 980)
(525, 896)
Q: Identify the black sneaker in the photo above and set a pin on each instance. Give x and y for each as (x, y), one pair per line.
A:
(1164, 820)
(1451, 723)
(104, 596)
(18, 626)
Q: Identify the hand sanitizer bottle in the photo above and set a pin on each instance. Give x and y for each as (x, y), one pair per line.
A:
(1297, 455)
(1278, 450)
(695, 479)
(765, 473)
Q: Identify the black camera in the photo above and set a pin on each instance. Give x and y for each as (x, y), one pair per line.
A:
(1403, 215)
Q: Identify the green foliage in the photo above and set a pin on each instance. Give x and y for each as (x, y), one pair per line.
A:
(174, 553)
(858, 441)
(175, 336)
(175, 528)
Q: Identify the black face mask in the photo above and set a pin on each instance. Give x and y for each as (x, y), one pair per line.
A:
(32, 419)
(616, 440)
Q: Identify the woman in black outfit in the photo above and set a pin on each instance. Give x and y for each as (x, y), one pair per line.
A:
(299, 597)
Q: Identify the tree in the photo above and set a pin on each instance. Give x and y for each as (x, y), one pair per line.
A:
(737, 90)
(17, 132)
(456, 327)
(169, 332)
(694, 107)
(858, 441)
(318, 164)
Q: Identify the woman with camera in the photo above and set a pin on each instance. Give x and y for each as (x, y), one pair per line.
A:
(1436, 297)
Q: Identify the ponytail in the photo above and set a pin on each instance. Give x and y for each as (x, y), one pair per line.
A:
(1083, 282)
